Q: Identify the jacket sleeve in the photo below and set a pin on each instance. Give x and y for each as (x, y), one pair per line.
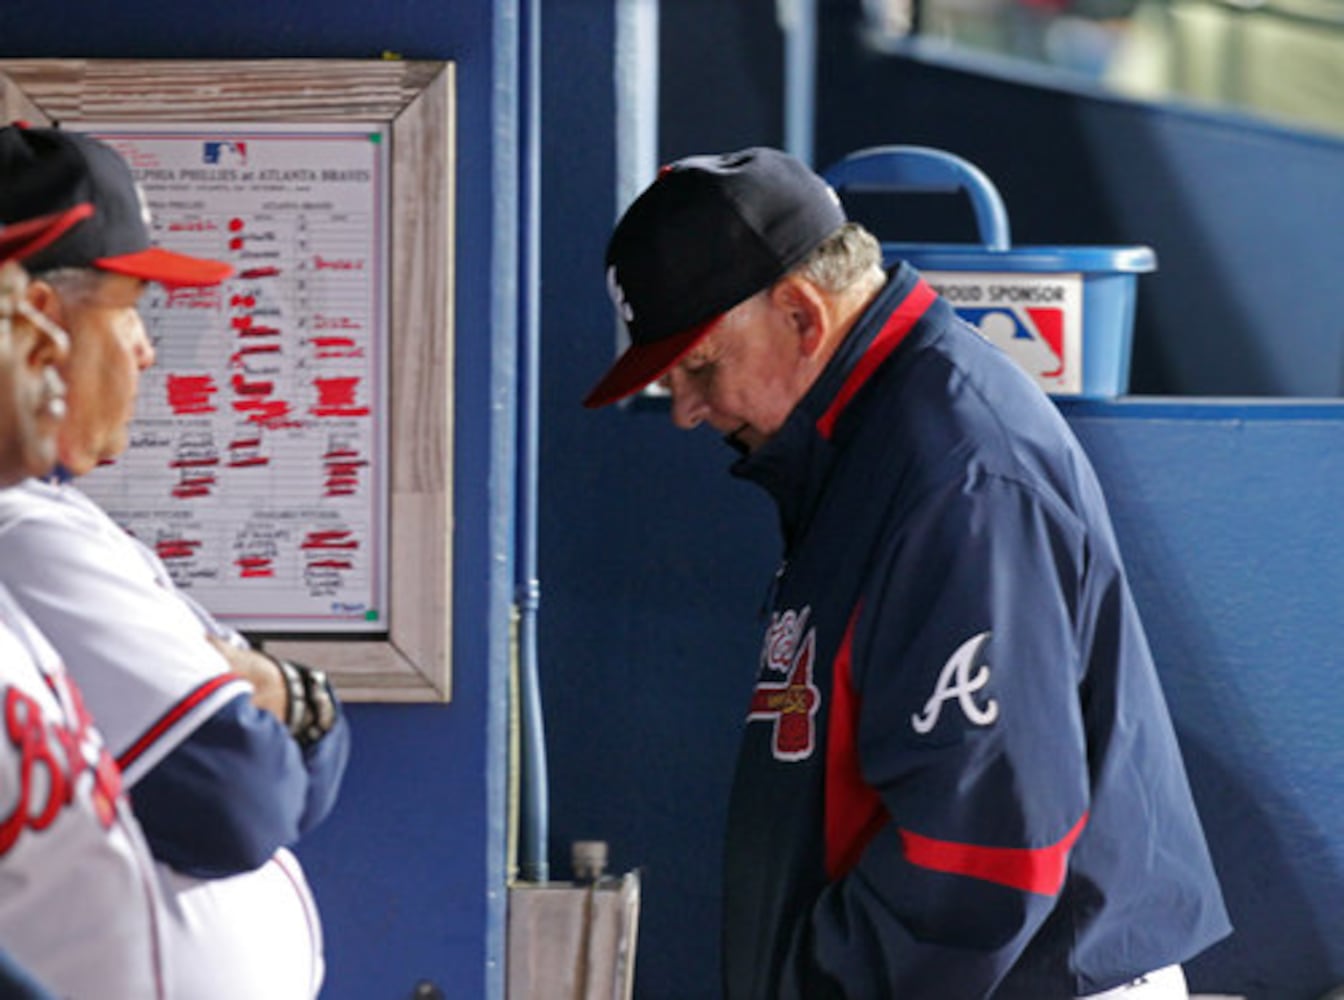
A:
(957, 769)
(236, 789)
(17, 983)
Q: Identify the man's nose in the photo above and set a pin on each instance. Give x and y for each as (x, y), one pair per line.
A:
(144, 347)
(688, 403)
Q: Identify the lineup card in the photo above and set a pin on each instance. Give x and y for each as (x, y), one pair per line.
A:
(257, 460)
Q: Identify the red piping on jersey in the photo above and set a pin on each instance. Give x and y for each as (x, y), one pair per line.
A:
(1040, 870)
(172, 716)
(854, 812)
(898, 324)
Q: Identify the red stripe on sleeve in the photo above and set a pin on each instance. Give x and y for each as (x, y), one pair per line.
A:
(898, 324)
(171, 717)
(854, 811)
(1040, 870)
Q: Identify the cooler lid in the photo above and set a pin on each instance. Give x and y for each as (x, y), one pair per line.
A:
(971, 257)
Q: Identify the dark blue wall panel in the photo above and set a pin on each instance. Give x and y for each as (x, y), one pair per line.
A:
(1228, 516)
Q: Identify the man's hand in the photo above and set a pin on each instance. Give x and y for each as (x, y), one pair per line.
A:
(269, 691)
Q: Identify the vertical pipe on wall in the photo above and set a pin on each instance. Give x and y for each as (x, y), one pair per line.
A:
(534, 790)
(636, 81)
(505, 237)
(798, 20)
(636, 99)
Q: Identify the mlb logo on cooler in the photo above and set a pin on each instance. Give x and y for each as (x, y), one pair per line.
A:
(1036, 319)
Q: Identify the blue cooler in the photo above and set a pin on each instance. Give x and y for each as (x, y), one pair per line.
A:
(1066, 314)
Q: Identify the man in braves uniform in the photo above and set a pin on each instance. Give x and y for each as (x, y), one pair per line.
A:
(80, 906)
(229, 755)
(958, 776)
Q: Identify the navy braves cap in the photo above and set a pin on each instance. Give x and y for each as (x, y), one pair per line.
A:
(708, 233)
(21, 240)
(45, 170)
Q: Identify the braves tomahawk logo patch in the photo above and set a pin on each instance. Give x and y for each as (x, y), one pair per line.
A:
(785, 693)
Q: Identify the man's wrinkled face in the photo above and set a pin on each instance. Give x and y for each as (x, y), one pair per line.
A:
(109, 350)
(32, 396)
(743, 377)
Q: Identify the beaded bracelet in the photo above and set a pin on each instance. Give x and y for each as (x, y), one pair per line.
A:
(296, 702)
(321, 707)
(310, 710)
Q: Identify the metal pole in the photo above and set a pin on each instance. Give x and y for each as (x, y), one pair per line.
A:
(798, 20)
(534, 792)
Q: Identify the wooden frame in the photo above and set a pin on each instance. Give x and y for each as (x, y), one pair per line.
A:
(416, 99)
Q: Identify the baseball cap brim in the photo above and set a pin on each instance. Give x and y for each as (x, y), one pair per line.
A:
(19, 240)
(167, 267)
(643, 364)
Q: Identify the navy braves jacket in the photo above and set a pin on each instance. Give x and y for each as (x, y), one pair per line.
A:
(958, 776)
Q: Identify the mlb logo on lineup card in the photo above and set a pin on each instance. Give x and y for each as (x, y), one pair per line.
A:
(1036, 319)
(224, 153)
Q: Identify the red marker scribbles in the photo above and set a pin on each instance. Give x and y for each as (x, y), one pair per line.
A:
(176, 548)
(191, 394)
(253, 273)
(324, 562)
(321, 263)
(193, 226)
(324, 322)
(268, 412)
(246, 453)
(326, 348)
(192, 487)
(251, 387)
(342, 479)
(252, 567)
(194, 462)
(240, 356)
(336, 397)
(193, 298)
(334, 539)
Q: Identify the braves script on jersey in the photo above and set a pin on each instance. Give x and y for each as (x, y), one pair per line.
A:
(135, 646)
(79, 902)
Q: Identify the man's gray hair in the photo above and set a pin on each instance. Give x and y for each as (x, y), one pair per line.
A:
(847, 257)
(73, 283)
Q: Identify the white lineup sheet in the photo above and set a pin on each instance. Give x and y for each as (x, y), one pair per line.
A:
(257, 460)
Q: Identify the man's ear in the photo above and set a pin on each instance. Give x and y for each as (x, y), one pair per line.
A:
(43, 298)
(804, 308)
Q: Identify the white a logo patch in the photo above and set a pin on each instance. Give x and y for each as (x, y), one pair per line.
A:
(956, 681)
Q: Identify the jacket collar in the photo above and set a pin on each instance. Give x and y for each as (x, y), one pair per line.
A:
(793, 465)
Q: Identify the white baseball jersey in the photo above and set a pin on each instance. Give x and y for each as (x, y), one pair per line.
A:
(80, 904)
(137, 647)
